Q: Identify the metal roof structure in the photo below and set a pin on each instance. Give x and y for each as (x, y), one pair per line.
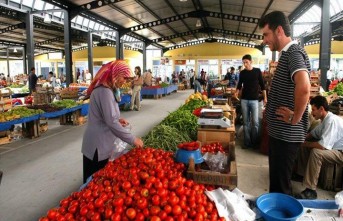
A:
(164, 24)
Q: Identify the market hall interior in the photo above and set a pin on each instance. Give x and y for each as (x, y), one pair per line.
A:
(39, 172)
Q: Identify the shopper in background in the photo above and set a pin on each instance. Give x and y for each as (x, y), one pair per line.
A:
(104, 122)
(286, 111)
(32, 80)
(147, 78)
(329, 76)
(250, 82)
(324, 144)
(88, 77)
(136, 90)
(52, 79)
(231, 77)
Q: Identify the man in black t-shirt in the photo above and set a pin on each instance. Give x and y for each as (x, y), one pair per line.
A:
(33, 80)
(250, 81)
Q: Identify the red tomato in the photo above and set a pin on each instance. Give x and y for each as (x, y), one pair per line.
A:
(130, 213)
(177, 210)
(155, 218)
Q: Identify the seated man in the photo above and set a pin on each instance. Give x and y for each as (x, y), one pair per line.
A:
(323, 144)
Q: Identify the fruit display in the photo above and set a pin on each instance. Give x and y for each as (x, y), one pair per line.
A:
(212, 148)
(69, 92)
(66, 103)
(78, 85)
(144, 184)
(45, 107)
(197, 96)
(189, 145)
(18, 112)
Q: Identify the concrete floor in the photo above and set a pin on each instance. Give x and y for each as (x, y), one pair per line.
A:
(39, 172)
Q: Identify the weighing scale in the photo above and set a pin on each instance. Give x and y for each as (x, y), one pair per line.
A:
(213, 118)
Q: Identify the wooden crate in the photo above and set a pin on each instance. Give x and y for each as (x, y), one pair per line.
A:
(5, 140)
(31, 129)
(330, 177)
(71, 118)
(336, 109)
(43, 127)
(227, 179)
(216, 135)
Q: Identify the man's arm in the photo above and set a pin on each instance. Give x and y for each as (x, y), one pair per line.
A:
(309, 144)
(301, 94)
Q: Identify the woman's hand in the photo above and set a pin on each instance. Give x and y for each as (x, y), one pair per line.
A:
(138, 143)
(123, 122)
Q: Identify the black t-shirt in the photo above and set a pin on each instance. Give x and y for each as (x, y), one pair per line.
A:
(251, 81)
(32, 81)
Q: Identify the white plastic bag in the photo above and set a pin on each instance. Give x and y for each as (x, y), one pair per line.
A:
(120, 147)
(339, 202)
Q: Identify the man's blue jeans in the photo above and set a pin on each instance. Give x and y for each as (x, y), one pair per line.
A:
(197, 86)
(250, 111)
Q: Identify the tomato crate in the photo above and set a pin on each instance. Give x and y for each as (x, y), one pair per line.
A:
(204, 175)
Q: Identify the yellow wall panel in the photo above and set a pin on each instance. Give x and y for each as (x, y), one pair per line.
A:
(212, 50)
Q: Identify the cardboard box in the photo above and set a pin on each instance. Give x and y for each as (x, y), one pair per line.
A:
(227, 179)
(216, 135)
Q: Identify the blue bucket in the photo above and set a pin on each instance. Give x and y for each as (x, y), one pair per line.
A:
(183, 156)
(278, 206)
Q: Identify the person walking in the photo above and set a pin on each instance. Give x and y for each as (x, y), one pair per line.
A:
(33, 80)
(287, 109)
(136, 91)
(250, 82)
(104, 122)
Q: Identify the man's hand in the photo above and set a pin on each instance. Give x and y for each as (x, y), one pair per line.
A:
(284, 114)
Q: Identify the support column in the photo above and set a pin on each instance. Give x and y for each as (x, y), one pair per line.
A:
(90, 53)
(24, 61)
(325, 42)
(119, 47)
(8, 61)
(29, 42)
(302, 41)
(144, 57)
(68, 48)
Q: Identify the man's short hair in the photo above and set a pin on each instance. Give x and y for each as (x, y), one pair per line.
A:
(247, 57)
(320, 101)
(32, 69)
(232, 69)
(275, 19)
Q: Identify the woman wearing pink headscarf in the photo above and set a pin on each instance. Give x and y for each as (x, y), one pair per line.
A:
(104, 122)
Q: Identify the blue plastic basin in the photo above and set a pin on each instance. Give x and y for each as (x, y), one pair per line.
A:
(278, 206)
(183, 156)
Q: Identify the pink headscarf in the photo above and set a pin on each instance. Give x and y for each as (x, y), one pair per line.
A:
(108, 74)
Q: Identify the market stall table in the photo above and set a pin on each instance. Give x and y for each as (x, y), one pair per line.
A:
(30, 125)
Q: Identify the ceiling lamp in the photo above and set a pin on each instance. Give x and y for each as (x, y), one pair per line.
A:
(198, 24)
(15, 50)
(103, 36)
(47, 18)
(183, 0)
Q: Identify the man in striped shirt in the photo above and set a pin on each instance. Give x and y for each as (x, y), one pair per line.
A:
(286, 110)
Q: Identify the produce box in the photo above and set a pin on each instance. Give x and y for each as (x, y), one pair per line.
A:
(336, 109)
(216, 135)
(227, 179)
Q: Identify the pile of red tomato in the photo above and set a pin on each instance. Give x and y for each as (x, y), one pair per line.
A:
(144, 184)
(212, 148)
(194, 145)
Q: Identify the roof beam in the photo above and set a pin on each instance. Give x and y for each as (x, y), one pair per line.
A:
(334, 27)
(12, 27)
(94, 5)
(207, 30)
(156, 16)
(193, 14)
(9, 12)
(49, 41)
(301, 9)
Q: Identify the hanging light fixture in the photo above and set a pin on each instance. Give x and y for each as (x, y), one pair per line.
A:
(47, 18)
(15, 50)
(198, 24)
(183, 0)
(103, 36)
